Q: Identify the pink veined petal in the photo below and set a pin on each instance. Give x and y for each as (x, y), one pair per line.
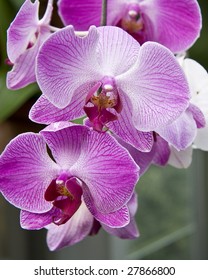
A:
(45, 112)
(22, 29)
(142, 159)
(162, 151)
(197, 115)
(26, 172)
(98, 160)
(84, 14)
(156, 87)
(107, 170)
(119, 218)
(174, 24)
(117, 50)
(65, 142)
(33, 221)
(180, 159)
(74, 61)
(23, 71)
(80, 14)
(129, 231)
(75, 230)
(180, 133)
(124, 128)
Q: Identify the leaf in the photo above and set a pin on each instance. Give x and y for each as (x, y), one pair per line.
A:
(11, 101)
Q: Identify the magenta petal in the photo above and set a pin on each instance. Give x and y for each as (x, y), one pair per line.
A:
(197, 115)
(124, 128)
(162, 151)
(80, 14)
(23, 71)
(130, 231)
(175, 24)
(181, 133)
(26, 171)
(119, 218)
(32, 221)
(156, 87)
(65, 141)
(83, 15)
(22, 29)
(45, 112)
(75, 230)
(73, 59)
(108, 171)
(142, 159)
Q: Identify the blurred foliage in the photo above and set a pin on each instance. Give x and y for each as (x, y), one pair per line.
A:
(164, 215)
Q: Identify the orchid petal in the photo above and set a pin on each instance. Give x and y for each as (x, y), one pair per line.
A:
(197, 115)
(33, 221)
(174, 24)
(75, 230)
(180, 133)
(115, 219)
(80, 15)
(22, 29)
(180, 159)
(142, 159)
(162, 151)
(156, 86)
(124, 128)
(23, 71)
(73, 59)
(26, 172)
(83, 15)
(107, 170)
(117, 50)
(45, 112)
(64, 142)
(197, 78)
(129, 231)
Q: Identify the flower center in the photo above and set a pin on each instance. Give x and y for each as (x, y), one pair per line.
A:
(33, 40)
(132, 21)
(102, 103)
(65, 194)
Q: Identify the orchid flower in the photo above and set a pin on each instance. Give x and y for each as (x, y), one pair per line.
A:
(175, 24)
(106, 75)
(90, 176)
(198, 81)
(24, 38)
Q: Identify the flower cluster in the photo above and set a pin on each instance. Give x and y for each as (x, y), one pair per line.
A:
(141, 101)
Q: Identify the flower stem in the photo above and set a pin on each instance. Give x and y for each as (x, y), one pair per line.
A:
(104, 13)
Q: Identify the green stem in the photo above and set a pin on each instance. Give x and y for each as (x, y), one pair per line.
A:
(104, 13)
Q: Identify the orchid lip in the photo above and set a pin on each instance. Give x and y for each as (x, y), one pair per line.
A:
(102, 98)
(65, 194)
